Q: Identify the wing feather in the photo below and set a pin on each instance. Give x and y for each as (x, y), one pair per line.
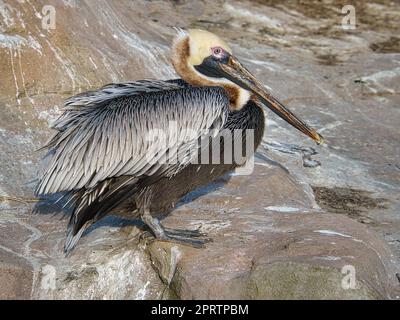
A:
(112, 132)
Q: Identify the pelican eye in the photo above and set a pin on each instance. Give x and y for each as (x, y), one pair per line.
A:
(217, 52)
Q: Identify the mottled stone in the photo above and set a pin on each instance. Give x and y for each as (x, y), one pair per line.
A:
(16, 276)
(258, 253)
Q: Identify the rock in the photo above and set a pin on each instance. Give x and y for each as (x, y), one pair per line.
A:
(301, 264)
(16, 277)
(265, 254)
(112, 266)
(273, 238)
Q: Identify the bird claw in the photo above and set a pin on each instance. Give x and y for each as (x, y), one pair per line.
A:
(187, 241)
(184, 232)
(145, 238)
(192, 238)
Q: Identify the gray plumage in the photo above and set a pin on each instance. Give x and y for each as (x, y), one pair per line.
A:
(102, 148)
(105, 133)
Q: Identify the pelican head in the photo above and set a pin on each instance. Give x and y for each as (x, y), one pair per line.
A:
(203, 59)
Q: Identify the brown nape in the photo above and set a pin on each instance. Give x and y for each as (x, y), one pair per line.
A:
(180, 56)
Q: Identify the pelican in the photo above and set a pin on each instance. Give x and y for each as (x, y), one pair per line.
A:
(103, 157)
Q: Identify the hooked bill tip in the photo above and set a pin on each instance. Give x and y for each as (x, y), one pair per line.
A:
(318, 138)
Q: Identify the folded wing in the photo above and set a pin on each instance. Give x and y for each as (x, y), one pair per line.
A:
(128, 129)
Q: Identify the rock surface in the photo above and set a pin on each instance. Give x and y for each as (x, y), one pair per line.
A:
(300, 226)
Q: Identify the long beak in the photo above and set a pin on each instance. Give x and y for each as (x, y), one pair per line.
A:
(235, 72)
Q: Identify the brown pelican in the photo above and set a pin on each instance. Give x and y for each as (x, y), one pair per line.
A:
(102, 156)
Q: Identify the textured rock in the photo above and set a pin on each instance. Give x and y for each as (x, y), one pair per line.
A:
(259, 253)
(272, 237)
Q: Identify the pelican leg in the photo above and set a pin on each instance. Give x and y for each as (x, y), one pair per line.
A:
(185, 237)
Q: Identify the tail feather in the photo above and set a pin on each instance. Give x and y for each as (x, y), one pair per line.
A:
(72, 240)
(89, 210)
